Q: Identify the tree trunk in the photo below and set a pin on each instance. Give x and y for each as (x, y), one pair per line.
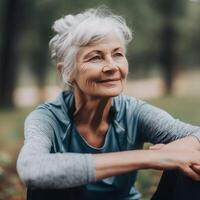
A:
(168, 57)
(8, 57)
(169, 11)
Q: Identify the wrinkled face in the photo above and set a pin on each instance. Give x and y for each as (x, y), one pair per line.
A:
(101, 68)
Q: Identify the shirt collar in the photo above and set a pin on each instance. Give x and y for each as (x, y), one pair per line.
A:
(67, 101)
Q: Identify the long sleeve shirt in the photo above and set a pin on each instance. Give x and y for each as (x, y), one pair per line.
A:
(56, 157)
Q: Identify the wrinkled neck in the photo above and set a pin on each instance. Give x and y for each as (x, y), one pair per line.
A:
(91, 110)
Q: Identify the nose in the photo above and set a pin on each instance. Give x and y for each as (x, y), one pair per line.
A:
(110, 66)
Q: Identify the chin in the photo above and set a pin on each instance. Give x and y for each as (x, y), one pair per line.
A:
(109, 93)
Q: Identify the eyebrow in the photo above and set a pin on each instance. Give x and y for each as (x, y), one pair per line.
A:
(118, 48)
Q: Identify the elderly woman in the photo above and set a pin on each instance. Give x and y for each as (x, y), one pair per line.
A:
(86, 144)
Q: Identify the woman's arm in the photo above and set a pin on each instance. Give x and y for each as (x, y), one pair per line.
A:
(39, 168)
(188, 143)
(174, 155)
(158, 126)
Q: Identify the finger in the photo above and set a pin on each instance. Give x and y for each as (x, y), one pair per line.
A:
(156, 146)
(191, 173)
(196, 168)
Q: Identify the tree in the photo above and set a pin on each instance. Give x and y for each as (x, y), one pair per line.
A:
(8, 57)
(169, 11)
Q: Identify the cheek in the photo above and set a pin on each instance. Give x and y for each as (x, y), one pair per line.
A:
(124, 71)
(123, 67)
(87, 75)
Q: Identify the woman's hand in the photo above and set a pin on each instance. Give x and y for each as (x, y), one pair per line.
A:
(156, 146)
(183, 153)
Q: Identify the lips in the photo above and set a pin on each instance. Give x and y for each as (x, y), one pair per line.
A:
(109, 80)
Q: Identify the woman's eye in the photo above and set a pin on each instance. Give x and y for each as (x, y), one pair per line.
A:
(95, 58)
(118, 54)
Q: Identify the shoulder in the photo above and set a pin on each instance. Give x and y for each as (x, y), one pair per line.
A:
(127, 105)
(52, 112)
(124, 100)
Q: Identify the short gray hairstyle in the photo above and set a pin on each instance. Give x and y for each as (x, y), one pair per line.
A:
(75, 31)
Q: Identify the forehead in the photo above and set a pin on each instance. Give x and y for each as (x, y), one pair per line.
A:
(109, 43)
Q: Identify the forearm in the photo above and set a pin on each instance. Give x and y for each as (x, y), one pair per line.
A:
(192, 141)
(39, 168)
(111, 164)
(189, 142)
(54, 170)
(185, 153)
(181, 154)
(58, 170)
(158, 126)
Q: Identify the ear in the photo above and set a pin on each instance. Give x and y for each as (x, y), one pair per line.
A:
(59, 67)
(72, 77)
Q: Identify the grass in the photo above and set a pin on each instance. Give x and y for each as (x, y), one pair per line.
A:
(11, 138)
(186, 109)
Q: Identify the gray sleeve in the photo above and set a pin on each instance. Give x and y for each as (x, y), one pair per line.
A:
(38, 168)
(158, 126)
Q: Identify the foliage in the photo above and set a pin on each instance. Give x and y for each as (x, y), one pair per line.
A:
(148, 19)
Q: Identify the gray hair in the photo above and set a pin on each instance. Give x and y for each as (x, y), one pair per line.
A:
(75, 31)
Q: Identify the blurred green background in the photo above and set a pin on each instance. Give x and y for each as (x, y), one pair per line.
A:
(163, 58)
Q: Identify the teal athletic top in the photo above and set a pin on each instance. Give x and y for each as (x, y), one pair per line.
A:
(55, 161)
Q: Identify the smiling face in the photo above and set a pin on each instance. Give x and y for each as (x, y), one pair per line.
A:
(101, 68)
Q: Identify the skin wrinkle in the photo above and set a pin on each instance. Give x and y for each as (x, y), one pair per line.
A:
(39, 131)
(93, 118)
(94, 86)
(97, 67)
(99, 75)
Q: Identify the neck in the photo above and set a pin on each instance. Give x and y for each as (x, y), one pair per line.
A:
(91, 111)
